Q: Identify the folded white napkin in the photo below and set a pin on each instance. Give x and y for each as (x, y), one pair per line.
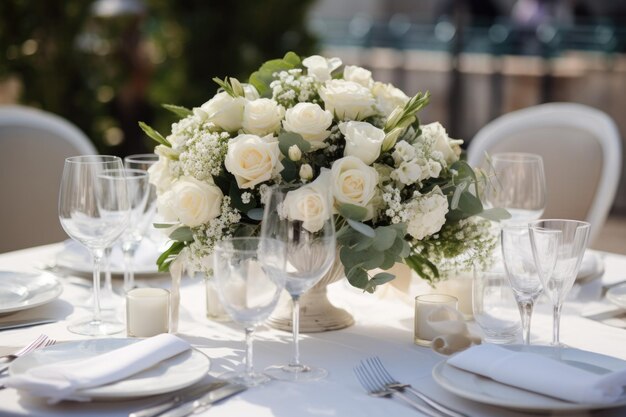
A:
(451, 328)
(541, 374)
(60, 381)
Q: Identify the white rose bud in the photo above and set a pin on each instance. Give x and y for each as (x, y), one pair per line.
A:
(354, 182)
(252, 159)
(250, 92)
(388, 97)
(347, 100)
(224, 111)
(262, 117)
(310, 121)
(191, 202)
(358, 75)
(391, 138)
(450, 149)
(321, 68)
(295, 154)
(363, 140)
(306, 172)
(310, 203)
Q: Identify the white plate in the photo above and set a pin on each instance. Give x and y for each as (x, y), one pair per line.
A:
(617, 295)
(487, 391)
(170, 375)
(24, 290)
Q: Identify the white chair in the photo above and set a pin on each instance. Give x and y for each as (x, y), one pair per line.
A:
(33, 147)
(581, 150)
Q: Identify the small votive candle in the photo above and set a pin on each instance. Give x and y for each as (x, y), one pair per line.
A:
(147, 312)
(424, 305)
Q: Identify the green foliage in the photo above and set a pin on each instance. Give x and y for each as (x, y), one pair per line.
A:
(182, 234)
(153, 134)
(262, 78)
(287, 139)
(167, 257)
(179, 111)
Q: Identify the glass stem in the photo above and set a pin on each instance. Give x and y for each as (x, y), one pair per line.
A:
(295, 328)
(129, 268)
(108, 282)
(97, 263)
(556, 316)
(249, 340)
(526, 311)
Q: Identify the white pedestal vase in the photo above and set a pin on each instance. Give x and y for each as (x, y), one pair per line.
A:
(317, 314)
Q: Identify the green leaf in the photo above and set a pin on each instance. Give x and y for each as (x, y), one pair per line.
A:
(290, 170)
(154, 134)
(390, 260)
(362, 228)
(287, 139)
(495, 214)
(180, 111)
(162, 225)
(182, 234)
(292, 58)
(382, 278)
(262, 78)
(384, 239)
(235, 198)
(255, 214)
(352, 212)
(169, 255)
(423, 267)
(357, 277)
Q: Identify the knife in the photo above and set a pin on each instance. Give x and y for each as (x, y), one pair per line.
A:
(205, 401)
(16, 324)
(188, 394)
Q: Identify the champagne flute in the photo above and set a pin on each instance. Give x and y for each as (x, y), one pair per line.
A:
(94, 210)
(558, 248)
(302, 218)
(248, 281)
(521, 271)
(516, 183)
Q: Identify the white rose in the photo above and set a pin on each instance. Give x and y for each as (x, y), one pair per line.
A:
(363, 140)
(358, 75)
(347, 100)
(252, 159)
(310, 121)
(354, 182)
(321, 68)
(250, 92)
(159, 174)
(310, 203)
(429, 214)
(191, 202)
(435, 134)
(224, 111)
(295, 154)
(306, 172)
(262, 117)
(388, 97)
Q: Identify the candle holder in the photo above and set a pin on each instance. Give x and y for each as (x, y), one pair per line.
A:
(147, 312)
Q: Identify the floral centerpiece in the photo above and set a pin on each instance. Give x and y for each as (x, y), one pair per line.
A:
(401, 192)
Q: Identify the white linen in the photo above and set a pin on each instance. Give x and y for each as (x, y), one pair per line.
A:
(59, 381)
(453, 333)
(541, 374)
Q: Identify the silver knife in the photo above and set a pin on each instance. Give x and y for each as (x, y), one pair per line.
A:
(16, 324)
(205, 401)
(188, 394)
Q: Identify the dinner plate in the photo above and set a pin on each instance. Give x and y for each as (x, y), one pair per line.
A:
(169, 375)
(617, 295)
(487, 391)
(24, 290)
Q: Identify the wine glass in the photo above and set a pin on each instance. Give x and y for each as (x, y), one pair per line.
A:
(558, 248)
(143, 162)
(302, 218)
(521, 271)
(516, 183)
(248, 281)
(94, 210)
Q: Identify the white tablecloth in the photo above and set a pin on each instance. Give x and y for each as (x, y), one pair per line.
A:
(384, 327)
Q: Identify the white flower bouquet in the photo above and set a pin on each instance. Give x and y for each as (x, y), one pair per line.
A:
(401, 192)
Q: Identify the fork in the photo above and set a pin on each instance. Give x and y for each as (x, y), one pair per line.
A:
(375, 389)
(384, 377)
(41, 341)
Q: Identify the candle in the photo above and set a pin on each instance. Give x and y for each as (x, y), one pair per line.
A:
(424, 305)
(459, 287)
(147, 312)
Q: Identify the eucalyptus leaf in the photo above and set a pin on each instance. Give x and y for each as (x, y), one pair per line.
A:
(362, 228)
(290, 170)
(287, 139)
(352, 212)
(255, 214)
(495, 214)
(384, 239)
(182, 234)
(382, 278)
(357, 277)
(162, 225)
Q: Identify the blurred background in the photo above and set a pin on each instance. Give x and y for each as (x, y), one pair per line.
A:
(106, 64)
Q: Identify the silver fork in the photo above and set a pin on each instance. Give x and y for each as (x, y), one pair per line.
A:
(384, 377)
(375, 389)
(41, 341)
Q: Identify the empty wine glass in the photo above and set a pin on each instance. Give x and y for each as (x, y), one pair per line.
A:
(516, 183)
(248, 278)
(143, 162)
(94, 210)
(521, 271)
(302, 218)
(558, 248)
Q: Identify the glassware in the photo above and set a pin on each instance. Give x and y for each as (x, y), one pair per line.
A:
(558, 248)
(94, 210)
(521, 271)
(516, 183)
(143, 162)
(494, 306)
(425, 304)
(249, 280)
(310, 255)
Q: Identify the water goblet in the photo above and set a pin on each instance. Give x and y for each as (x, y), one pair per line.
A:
(302, 219)
(558, 247)
(248, 278)
(94, 210)
(521, 272)
(144, 162)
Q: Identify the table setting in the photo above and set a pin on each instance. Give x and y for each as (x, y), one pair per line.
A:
(284, 252)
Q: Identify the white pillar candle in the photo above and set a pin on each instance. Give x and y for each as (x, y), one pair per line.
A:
(459, 286)
(424, 305)
(147, 312)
